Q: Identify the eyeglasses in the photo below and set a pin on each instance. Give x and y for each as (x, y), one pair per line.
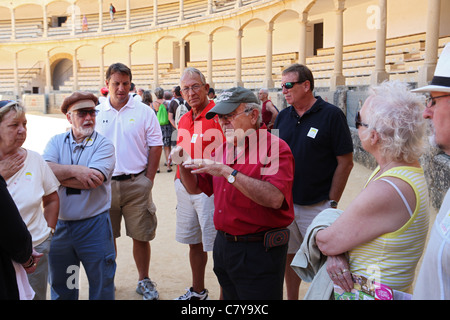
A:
(7, 103)
(432, 100)
(230, 117)
(195, 88)
(290, 85)
(84, 113)
(358, 122)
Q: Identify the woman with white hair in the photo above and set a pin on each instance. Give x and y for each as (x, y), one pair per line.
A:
(32, 185)
(382, 233)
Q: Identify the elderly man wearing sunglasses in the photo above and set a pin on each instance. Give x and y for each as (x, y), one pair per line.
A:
(320, 140)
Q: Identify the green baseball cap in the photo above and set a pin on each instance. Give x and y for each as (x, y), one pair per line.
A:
(230, 99)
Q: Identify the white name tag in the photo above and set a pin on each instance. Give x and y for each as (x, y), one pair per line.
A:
(312, 132)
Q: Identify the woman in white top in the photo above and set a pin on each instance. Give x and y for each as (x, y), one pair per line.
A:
(32, 185)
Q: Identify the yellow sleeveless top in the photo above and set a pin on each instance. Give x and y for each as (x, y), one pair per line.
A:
(391, 259)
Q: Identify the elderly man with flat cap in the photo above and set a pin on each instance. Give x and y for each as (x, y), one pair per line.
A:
(433, 281)
(251, 178)
(83, 161)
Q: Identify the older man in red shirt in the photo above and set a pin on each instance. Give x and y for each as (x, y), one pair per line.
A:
(197, 136)
(251, 178)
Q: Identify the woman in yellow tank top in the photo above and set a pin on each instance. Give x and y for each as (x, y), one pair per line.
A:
(382, 233)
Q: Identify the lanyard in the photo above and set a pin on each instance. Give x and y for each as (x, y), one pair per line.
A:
(82, 148)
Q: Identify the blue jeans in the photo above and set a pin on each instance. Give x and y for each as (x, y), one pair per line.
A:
(90, 242)
(39, 278)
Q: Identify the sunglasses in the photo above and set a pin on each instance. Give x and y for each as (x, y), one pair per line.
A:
(290, 85)
(358, 122)
(230, 117)
(84, 113)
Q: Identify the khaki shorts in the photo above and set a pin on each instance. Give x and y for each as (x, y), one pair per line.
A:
(195, 218)
(132, 200)
(304, 215)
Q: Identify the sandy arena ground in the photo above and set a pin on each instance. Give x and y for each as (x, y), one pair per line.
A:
(169, 266)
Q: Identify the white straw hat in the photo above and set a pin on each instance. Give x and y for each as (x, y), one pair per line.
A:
(441, 79)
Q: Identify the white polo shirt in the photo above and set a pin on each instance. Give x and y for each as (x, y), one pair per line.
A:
(132, 130)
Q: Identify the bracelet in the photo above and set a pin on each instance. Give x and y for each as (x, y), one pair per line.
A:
(29, 265)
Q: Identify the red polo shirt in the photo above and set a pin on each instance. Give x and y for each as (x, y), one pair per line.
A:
(199, 137)
(268, 160)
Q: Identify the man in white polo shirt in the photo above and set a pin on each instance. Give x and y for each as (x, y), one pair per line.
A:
(136, 134)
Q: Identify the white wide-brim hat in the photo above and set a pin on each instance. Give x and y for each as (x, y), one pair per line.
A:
(441, 79)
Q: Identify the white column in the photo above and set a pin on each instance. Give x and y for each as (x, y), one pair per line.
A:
(48, 75)
(209, 77)
(100, 16)
(155, 67)
(13, 24)
(181, 16)
(302, 48)
(238, 4)
(128, 15)
(155, 12)
(130, 50)
(75, 71)
(210, 7)
(16, 77)
(380, 74)
(74, 17)
(102, 67)
(426, 72)
(338, 79)
(44, 21)
(182, 55)
(268, 81)
(238, 79)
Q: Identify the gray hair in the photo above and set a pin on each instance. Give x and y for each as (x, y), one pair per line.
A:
(249, 106)
(159, 93)
(395, 113)
(12, 106)
(192, 72)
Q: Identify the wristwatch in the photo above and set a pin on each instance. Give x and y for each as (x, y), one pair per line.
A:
(333, 204)
(232, 177)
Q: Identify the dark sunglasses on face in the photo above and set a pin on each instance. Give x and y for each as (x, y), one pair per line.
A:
(84, 113)
(290, 85)
(358, 122)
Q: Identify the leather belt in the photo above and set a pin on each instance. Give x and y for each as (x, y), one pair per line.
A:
(126, 176)
(255, 237)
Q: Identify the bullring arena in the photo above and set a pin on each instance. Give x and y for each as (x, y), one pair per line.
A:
(46, 53)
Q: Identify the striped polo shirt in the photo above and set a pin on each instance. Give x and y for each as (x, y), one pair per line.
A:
(392, 257)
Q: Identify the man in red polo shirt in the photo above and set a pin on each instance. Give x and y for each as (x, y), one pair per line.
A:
(251, 178)
(197, 136)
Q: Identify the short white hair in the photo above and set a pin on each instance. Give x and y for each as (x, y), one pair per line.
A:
(249, 106)
(395, 113)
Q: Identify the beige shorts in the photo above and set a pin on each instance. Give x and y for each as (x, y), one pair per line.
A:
(132, 200)
(195, 218)
(304, 215)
